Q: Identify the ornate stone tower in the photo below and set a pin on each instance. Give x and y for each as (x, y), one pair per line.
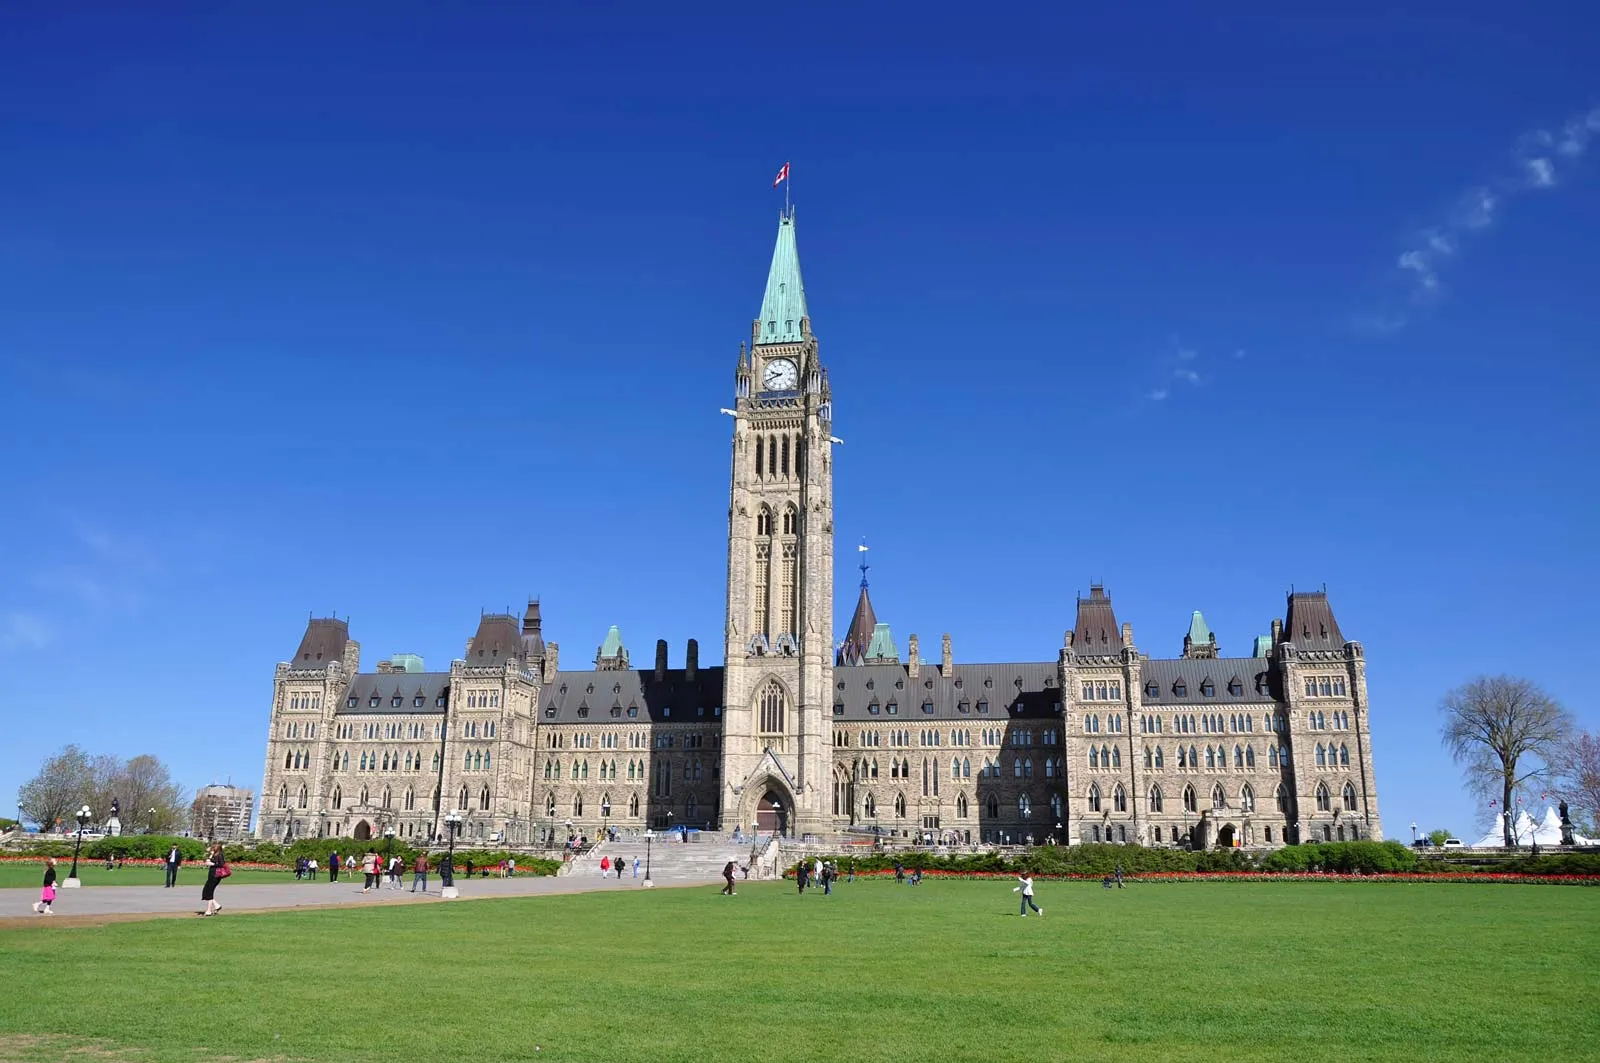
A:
(779, 638)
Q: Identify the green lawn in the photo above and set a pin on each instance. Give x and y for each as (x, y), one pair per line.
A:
(944, 971)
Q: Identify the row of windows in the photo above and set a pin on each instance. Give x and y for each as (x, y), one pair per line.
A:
(1208, 689)
(1325, 686)
(764, 522)
(694, 769)
(305, 701)
(632, 711)
(412, 729)
(298, 729)
(772, 459)
(1102, 690)
(1318, 721)
(893, 707)
(691, 810)
(1113, 724)
(959, 737)
(483, 699)
(478, 729)
(869, 806)
(398, 700)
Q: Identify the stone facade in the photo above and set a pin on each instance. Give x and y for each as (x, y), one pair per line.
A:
(799, 734)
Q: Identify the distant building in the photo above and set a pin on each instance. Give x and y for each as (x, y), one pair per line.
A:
(1093, 740)
(222, 813)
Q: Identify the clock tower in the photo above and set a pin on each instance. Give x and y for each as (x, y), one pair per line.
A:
(778, 670)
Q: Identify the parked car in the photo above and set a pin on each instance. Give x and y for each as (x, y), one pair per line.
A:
(1454, 843)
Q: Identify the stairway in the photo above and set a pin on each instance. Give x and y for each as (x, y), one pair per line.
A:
(670, 859)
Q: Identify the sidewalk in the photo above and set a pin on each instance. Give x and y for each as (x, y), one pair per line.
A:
(16, 905)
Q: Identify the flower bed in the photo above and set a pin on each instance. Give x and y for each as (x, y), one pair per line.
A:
(1263, 876)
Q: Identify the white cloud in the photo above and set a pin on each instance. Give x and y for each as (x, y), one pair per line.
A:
(1186, 354)
(1238, 355)
(1542, 157)
(1187, 374)
(1158, 394)
(23, 631)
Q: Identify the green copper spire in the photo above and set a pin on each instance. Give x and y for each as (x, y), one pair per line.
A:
(785, 301)
(1199, 633)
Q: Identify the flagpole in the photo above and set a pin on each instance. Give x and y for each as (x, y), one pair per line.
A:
(788, 185)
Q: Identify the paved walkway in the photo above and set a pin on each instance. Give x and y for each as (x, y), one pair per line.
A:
(120, 902)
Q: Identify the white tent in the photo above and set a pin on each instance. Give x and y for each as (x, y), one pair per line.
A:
(1528, 832)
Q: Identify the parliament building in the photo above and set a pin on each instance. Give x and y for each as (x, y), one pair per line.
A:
(802, 734)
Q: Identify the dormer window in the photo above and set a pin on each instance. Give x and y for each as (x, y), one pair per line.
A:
(838, 708)
(1180, 689)
(416, 702)
(583, 712)
(1207, 688)
(983, 707)
(892, 709)
(1152, 689)
(441, 700)
(899, 684)
(963, 706)
(1235, 688)
(633, 712)
(550, 713)
(616, 711)
(927, 707)
(353, 702)
(872, 706)
(374, 701)
(396, 701)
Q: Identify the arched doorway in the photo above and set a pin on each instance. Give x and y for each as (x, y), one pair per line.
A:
(771, 816)
(1225, 837)
(363, 831)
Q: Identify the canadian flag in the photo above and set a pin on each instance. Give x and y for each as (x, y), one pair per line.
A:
(783, 175)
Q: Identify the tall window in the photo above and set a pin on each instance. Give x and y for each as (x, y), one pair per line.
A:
(1323, 803)
(1094, 798)
(1188, 799)
(1247, 799)
(771, 709)
(1218, 798)
(1155, 801)
(1349, 798)
(1119, 799)
(762, 583)
(787, 603)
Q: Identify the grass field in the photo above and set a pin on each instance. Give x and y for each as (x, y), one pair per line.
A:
(944, 971)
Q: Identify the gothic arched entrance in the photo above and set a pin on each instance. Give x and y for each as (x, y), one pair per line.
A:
(363, 831)
(771, 815)
(1225, 837)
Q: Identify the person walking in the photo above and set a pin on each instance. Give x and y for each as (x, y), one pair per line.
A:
(616, 865)
(727, 875)
(174, 858)
(47, 892)
(636, 867)
(511, 867)
(333, 866)
(605, 866)
(217, 869)
(827, 879)
(369, 869)
(1026, 889)
(419, 873)
(1119, 876)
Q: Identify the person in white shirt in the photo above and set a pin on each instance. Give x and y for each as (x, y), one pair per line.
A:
(1026, 889)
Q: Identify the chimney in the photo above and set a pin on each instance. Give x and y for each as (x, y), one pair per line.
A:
(691, 661)
(947, 662)
(466, 654)
(911, 651)
(552, 659)
(661, 660)
(384, 667)
(1127, 634)
(1277, 631)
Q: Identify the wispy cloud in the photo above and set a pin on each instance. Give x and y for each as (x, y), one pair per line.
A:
(1542, 159)
(1158, 395)
(1179, 364)
(23, 631)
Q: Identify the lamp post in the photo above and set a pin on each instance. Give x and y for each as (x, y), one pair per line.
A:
(649, 836)
(447, 871)
(1060, 838)
(388, 834)
(72, 876)
(151, 829)
(1413, 832)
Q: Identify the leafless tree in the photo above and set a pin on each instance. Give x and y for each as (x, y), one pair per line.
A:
(52, 796)
(1503, 731)
(1577, 776)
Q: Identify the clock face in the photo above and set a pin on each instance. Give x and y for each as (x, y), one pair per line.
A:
(780, 375)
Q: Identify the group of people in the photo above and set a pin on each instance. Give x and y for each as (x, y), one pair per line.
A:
(619, 865)
(818, 872)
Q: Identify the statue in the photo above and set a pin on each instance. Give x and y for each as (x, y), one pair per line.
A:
(1566, 826)
(114, 825)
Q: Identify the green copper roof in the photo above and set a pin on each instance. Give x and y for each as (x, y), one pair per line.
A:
(1263, 646)
(785, 301)
(1199, 634)
(882, 648)
(406, 662)
(612, 646)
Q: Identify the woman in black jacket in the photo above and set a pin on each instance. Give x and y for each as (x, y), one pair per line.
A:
(216, 871)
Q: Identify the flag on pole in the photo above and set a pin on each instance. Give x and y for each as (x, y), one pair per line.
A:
(783, 175)
(862, 548)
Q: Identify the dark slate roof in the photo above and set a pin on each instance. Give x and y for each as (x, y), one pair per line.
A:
(324, 641)
(956, 698)
(858, 639)
(499, 637)
(590, 697)
(407, 686)
(1253, 673)
(1096, 629)
(1310, 624)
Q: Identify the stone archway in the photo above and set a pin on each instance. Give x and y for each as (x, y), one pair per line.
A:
(772, 814)
(1225, 837)
(363, 831)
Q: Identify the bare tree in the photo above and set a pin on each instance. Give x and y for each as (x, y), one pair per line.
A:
(1577, 773)
(150, 799)
(51, 797)
(1503, 731)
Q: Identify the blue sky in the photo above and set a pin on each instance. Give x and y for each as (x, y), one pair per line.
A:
(406, 314)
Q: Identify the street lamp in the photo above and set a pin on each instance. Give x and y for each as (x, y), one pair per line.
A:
(447, 870)
(649, 836)
(388, 833)
(84, 816)
(1413, 832)
(152, 827)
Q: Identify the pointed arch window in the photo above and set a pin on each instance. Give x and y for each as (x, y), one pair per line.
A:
(633, 806)
(338, 797)
(1155, 800)
(1349, 798)
(283, 796)
(605, 806)
(1344, 755)
(464, 802)
(1119, 799)
(1094, 797)
(1322, 756)
(1238, 756)
(1249, 756)
(1024, 806)
(1323, 803)
(1280, 797)
(961, 806)
(1272, 756)
(1189, 803)
(900, 806)
(1247, 798)
(771, 705)
(550, 804)
(1218, 798)
(577, 806)
(992, 806)
(305, 796)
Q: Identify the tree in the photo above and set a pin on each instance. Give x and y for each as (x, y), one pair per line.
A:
(1503, 731)
(150, 799)
(1577, 776)
(52, 796)
(1437, 838)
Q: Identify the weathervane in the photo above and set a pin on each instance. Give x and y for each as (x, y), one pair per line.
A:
(862, 549)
